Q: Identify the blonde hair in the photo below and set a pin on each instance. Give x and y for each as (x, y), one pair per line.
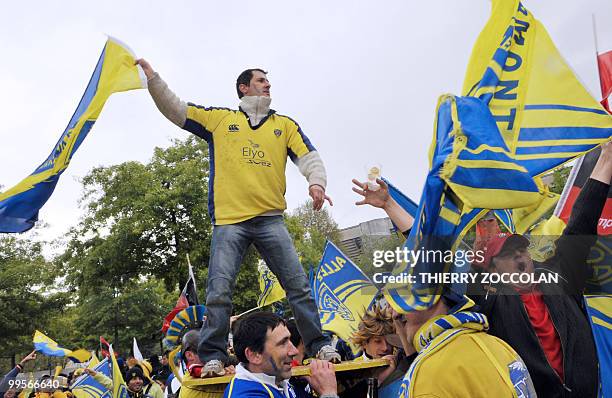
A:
(376, 322)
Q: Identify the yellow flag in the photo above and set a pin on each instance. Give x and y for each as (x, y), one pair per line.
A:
(526, 217)
(93, 362)
(544, 113)
(543, 237)
(271, 289)
(119, 386)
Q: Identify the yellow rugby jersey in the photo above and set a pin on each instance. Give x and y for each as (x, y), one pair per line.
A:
(247, 164)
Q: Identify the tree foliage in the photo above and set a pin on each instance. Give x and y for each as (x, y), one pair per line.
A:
(142, 219)
(28, 299)
(560, 177)
(310, 230)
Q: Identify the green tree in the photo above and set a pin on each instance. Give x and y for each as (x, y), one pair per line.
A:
(310, 230)
(28, 299)
(560, 176)
(142, 220)
(121, 315)
(370, 244)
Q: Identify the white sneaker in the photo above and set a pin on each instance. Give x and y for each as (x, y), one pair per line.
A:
(213, 368)
(329, 353)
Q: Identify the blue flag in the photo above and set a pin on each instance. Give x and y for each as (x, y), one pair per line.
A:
(404, 201)
(87, 387)
(342, 292)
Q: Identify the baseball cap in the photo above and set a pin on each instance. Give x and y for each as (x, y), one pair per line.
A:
(502, 242)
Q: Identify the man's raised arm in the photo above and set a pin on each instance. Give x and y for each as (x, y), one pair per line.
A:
(167, 102)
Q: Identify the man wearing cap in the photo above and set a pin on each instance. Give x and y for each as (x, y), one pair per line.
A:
(134, 379)
(546, 323)
(150, 386)
(194, 365)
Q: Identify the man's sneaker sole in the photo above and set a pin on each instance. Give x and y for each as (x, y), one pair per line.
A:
(212, 373)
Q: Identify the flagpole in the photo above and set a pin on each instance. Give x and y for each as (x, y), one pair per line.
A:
(574, 172)
(568, 186)
(248, 312)
(191, 273)
(597, 53)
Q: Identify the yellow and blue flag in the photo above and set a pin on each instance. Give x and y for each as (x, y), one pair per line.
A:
(342, 292)
(87, 387)
(93, 362)
(48, 346)
(599, 310)
(114, 72)
(529, 113)
(546, 116)
(271, 289)
(471, 170)
(79, 356)
(119, 386)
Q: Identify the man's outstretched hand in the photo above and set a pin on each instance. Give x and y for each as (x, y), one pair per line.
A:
(317, 193)
(146, 67)
(30, 357)
(378, 198)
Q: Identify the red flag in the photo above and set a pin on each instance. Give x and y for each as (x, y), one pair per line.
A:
(104, 347)
(188, 297)
(604, 64)
(604, 226)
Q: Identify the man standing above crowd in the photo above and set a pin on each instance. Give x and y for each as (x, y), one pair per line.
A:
(248, 151)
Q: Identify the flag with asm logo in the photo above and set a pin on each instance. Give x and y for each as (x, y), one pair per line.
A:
(342, 292)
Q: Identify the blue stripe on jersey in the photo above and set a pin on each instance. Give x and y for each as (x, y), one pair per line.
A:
(307, 142)
(196, 128)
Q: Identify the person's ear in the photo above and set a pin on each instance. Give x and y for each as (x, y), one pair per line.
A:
(243, 88)
(253, 357)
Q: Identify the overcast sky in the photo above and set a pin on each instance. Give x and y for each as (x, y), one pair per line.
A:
(361, 77)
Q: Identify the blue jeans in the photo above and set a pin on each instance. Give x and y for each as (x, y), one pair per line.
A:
(229, 245)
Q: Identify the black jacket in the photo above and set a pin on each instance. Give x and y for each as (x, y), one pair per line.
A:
(509, 320)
